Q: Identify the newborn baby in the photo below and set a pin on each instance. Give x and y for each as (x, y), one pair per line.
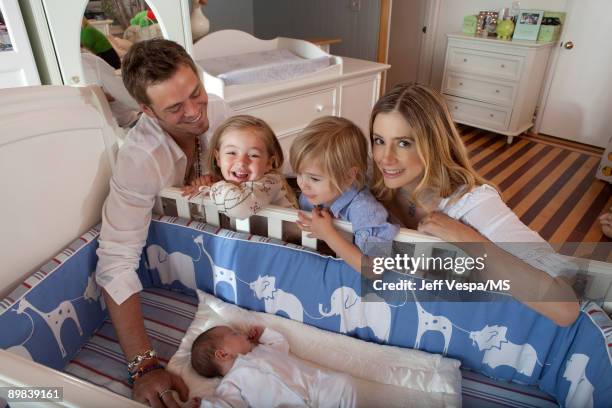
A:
(258, 371)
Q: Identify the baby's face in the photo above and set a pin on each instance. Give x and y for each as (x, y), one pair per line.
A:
(234, 341)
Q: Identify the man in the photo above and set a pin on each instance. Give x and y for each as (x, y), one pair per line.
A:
(163, 149)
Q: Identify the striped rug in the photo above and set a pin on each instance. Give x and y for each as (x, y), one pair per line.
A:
(551, 186)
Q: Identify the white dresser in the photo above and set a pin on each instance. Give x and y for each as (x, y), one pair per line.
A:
(493, 84)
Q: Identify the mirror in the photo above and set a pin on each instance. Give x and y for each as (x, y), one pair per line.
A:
(5, 38)
(108, 30)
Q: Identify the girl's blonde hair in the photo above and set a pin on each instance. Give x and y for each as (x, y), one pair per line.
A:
(337, 145)
(244, 122)
(445, 160)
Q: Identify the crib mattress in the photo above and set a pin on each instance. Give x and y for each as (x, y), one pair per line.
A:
(168, 315)
(262, 66)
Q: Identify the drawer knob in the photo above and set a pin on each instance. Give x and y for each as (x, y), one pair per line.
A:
(491, 115)
(465, 60)
(460, 83)
(503, 65)
(319, 108)
(497, 91)
(456, 107)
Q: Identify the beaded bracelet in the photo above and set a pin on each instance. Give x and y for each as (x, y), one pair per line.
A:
(132, 377)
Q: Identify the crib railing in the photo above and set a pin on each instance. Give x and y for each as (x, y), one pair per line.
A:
(203, 209)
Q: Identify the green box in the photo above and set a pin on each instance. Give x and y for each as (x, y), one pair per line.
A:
(549, 33)
(470, 24)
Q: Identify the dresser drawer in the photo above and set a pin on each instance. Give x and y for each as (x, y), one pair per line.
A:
(498, 92)
(291, 114)
(479, 114)
(493, 64)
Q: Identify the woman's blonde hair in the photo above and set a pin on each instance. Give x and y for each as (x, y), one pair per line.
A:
(337, 145)
(446, 166)
(243, 122)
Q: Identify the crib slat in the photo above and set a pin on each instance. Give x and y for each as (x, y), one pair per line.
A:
(243, 225)
(182, 209)
(158, 206)
(275, 228)
(212, 215)
(308, 242)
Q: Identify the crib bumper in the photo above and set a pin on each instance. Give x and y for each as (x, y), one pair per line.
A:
(502, 339)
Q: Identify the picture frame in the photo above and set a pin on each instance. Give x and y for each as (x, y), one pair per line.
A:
(487, 23)
(528, 25)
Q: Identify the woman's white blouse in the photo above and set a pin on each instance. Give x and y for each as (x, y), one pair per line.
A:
(484, 210)
(149, 161)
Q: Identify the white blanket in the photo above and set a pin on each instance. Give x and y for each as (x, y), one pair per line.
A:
(385, 376)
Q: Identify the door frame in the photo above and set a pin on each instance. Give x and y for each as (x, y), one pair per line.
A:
(432, 14)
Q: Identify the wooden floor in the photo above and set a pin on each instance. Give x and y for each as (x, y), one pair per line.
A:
(550, 185)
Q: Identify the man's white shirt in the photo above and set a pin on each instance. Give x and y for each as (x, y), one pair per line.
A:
(147, 162)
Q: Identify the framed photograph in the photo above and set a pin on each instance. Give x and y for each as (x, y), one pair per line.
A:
(487, 23)
(528, 25)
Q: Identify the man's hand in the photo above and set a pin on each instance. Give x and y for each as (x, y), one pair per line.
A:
(255, 333)
(448, 229)
(320, 224)
(149, 387)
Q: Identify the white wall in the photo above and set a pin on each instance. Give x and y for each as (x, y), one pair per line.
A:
(450, 20)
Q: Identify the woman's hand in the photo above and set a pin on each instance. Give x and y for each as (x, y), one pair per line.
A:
(606, 223)
(319, 225)
(151, 387)
(198, 185)
(448, 229)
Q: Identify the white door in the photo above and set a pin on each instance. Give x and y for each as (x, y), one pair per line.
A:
(579, 103)
(17, 66)
(405, 41)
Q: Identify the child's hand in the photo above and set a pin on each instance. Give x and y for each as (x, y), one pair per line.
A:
(606, 223)
(198, 185)
(320, 225)
(255, 333)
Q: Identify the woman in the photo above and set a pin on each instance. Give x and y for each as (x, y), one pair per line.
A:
(423, 176)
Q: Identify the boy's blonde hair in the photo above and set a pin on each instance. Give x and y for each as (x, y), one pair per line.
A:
(241, 122)
(337, 145)
(446, 164)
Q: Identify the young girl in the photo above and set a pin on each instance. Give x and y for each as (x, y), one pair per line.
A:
(330, 158)
(246, 156)
(423, 175)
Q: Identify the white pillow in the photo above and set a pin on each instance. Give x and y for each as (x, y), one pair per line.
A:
(412, 369)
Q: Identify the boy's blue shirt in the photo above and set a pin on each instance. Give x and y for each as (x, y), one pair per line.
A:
(367, 216)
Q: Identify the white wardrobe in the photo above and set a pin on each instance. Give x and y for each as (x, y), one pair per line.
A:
(54, 30)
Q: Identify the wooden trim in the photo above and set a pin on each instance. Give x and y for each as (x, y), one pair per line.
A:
(565, 144)
(383, 39)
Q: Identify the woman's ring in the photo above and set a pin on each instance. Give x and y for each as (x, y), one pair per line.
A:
(161, 394)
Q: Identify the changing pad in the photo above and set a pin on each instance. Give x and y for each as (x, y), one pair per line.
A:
(262, 66)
